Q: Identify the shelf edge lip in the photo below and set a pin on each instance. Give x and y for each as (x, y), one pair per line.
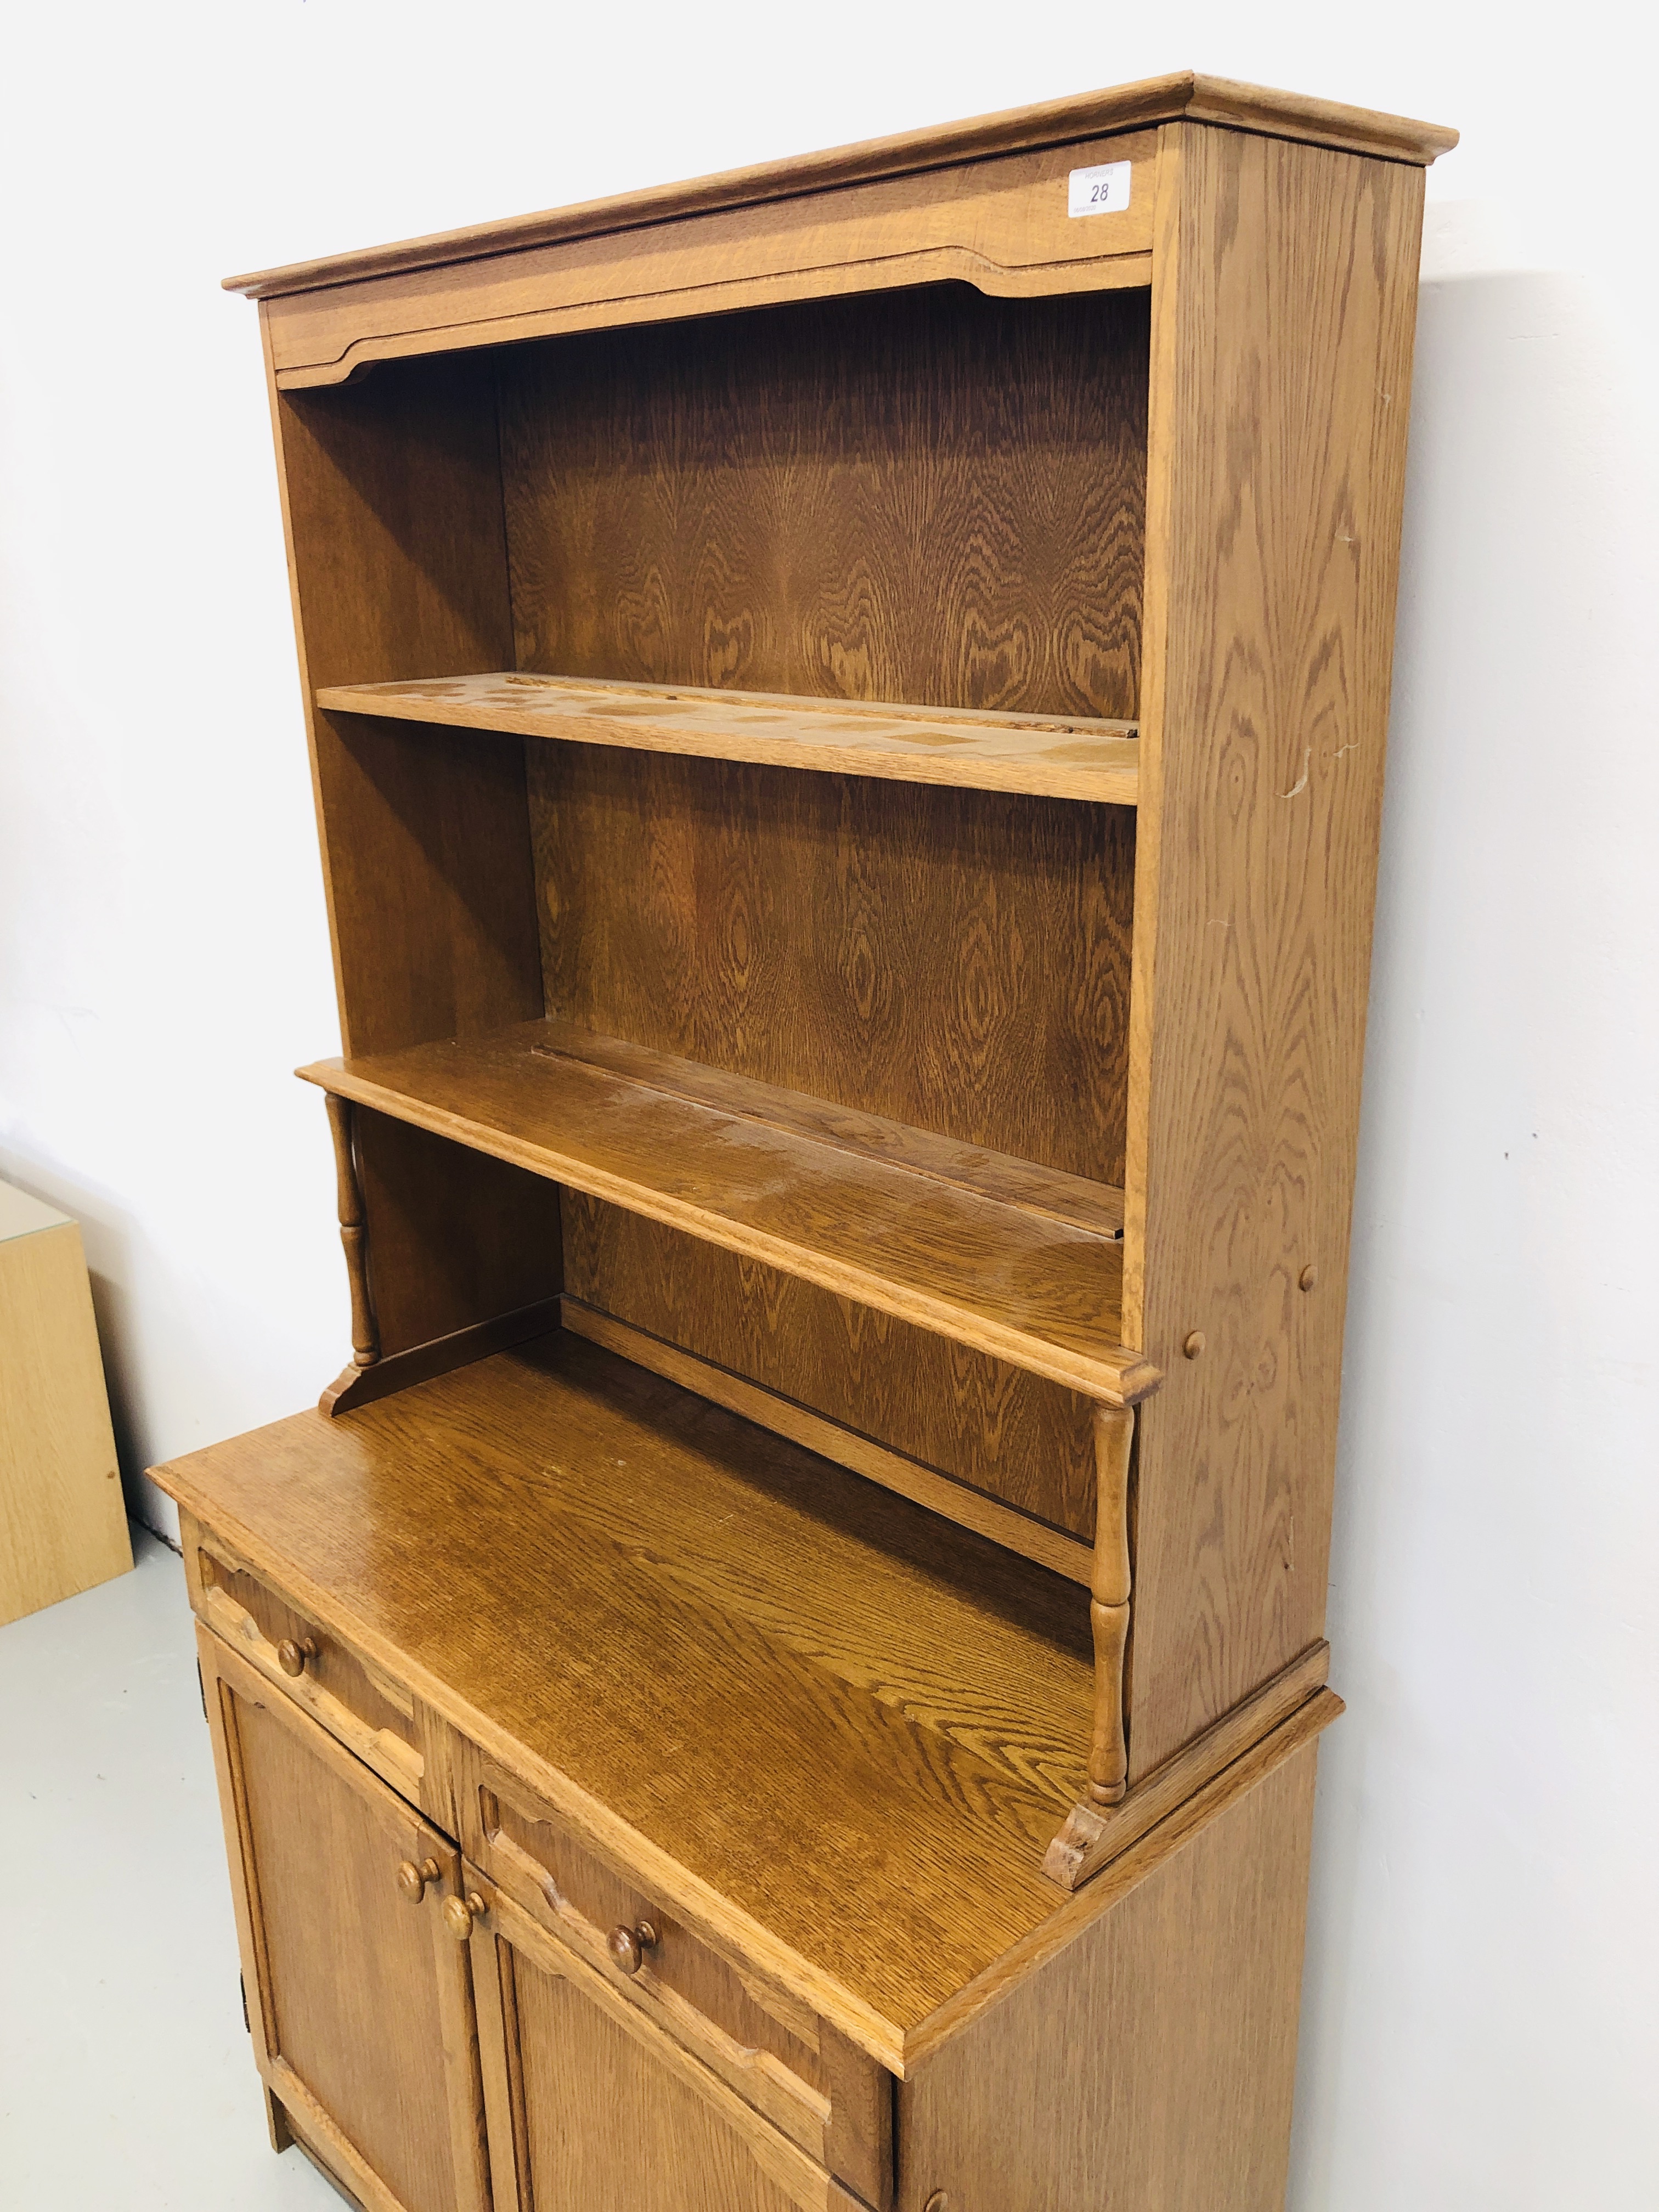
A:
(1104, 786)
(1184, 93)
(1060, 723)
(1115, 1377)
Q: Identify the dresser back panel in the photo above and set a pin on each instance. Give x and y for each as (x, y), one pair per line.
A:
(1014, 1436)
(928, 496)
(956, 960)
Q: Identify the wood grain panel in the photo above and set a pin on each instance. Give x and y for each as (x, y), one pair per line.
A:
(972, 1508)
(1095, 1835)
(807, 468)
(431, 879)
(397, 558)
(397, 562)
(828, 1728)
(384, 1751)
(358, 1998)
(955, 960)
(63, 1521)
(1004, 225)
(1151, 2063)
(1003, 1431)
(329, 1667)
(1044, 1193)
(328, 1891)
(781, 2058)
(1023, 1286)
(1282, 357)
(538, 1860)
(1071, 757)
(456, 1235)
(675, 2138)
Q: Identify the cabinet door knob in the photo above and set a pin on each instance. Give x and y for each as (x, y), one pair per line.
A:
(628, 1946)
(412, 1880)
(939, 2202)
(460, 1912)
(293, 1652)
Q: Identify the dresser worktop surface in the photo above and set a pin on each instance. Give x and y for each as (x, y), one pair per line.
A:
(832, 1729)
(855, 1723)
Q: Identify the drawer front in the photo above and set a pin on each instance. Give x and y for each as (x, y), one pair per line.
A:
(802, 2074)
(592, 2107)
(360, 1706)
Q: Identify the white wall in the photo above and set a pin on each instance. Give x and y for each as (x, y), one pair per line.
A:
(1479, 2027)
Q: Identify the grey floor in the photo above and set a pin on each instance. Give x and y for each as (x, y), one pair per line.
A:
(126, 2081)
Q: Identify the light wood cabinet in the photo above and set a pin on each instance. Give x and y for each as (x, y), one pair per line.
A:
(62, 1520)
(846, 704)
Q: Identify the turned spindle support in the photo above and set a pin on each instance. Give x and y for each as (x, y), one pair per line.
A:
(354, 1233)
(1109, 1602)
(1081, 1848)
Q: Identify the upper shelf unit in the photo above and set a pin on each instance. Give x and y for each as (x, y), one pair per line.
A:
(1058, 756)
(1009, 1258)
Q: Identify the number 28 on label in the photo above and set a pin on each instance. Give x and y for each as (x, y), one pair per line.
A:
(1104, 191)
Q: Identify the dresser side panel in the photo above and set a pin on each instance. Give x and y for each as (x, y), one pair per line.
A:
(1284, 313)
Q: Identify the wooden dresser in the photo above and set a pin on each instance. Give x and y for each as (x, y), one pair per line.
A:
(846, 705)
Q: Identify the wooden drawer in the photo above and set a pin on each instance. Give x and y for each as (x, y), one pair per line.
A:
(359, 1705)
(592, 2106)
(805, 2076)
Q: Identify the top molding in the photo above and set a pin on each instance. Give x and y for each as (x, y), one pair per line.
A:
(1082, 115)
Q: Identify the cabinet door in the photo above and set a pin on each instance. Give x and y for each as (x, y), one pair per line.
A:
(359, 1998)
(593, 2108)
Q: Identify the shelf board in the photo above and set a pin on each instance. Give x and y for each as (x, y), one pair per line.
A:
(1012, 1259)
(1056, 757)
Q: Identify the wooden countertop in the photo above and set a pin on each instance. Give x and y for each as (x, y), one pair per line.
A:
(833, 1729)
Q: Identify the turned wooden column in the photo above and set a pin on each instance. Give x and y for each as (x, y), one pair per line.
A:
(1109, 1602)
(353, 1234)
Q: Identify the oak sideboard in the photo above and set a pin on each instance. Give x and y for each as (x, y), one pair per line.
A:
(846, 705)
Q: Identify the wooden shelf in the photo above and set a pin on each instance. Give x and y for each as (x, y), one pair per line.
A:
(1056, 757)
(1010, 1258)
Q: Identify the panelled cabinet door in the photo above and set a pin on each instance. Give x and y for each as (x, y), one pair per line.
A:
(360, 1997)
(593, 2108)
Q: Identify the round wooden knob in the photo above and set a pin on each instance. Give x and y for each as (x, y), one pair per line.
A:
(291, 1655)
(460, 1912)
(1308, 1278)
(939, 2202)
(629, 1946)
(412, 1880)
(1194, 1343)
